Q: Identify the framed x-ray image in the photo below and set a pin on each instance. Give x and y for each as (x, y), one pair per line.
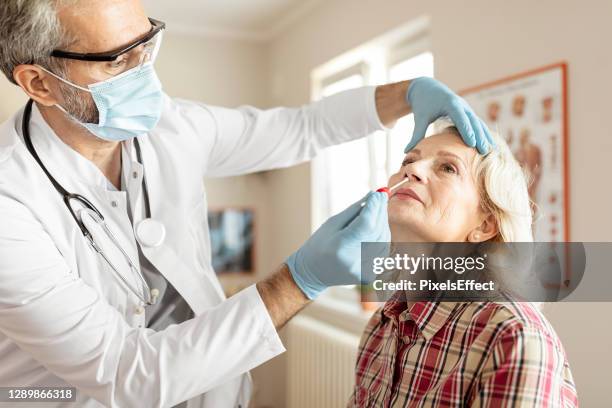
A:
(530, 111)
(232, 237)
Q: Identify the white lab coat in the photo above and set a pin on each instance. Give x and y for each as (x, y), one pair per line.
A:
(65, 319)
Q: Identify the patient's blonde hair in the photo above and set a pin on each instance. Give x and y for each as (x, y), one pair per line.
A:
(502, 185)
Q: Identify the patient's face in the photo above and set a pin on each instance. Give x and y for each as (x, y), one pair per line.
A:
(440, 203)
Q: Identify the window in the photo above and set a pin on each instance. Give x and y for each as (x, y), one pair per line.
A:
(342, 174)
(337, 172)
(413, 67)
(349, 82)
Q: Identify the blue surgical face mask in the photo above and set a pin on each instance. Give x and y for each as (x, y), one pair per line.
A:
(129, 105)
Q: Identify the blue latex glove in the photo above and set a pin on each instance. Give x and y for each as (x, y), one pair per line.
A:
(332, 255)
(431, 99)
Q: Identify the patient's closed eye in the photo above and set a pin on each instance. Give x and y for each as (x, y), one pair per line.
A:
(449, 168)
(407, 160)
(411, 157)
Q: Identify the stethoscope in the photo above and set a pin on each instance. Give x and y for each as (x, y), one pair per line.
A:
(149, 232)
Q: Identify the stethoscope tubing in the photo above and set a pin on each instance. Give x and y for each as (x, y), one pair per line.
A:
(146, 298)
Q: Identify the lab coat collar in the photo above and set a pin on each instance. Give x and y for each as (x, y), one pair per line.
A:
(63, 161)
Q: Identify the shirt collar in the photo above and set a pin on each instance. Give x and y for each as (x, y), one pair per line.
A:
(429, 317)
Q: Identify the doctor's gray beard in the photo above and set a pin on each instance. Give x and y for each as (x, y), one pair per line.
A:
(79, 104)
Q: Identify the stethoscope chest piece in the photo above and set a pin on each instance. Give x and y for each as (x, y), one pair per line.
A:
(150, 233)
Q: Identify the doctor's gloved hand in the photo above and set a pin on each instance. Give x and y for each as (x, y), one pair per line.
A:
(431, 99)
(332, 255)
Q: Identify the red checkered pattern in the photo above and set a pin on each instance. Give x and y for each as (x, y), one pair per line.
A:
(474, 354)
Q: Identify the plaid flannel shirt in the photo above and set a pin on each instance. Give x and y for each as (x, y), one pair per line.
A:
(476, 354)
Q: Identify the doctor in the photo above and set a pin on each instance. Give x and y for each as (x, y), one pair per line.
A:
(106, 281)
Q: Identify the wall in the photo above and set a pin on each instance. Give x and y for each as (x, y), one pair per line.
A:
(11, 98)
(217, 71)
(474, 42)
(229, 73)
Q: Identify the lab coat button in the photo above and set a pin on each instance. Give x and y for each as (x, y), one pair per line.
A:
(114, 204)
(135, 174)
(139, 310)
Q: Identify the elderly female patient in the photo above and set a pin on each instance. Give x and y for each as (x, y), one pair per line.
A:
(476, 354)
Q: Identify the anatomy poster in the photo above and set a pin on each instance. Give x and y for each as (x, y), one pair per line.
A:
(530, 111)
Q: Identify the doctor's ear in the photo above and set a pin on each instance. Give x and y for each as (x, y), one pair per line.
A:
(36, 83)
(485, 231)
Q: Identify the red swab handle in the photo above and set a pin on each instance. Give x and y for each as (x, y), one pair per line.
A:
(383, 190)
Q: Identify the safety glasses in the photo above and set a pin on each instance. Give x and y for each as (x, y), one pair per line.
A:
(105, 65)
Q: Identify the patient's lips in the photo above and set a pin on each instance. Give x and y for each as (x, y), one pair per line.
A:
(407, 194)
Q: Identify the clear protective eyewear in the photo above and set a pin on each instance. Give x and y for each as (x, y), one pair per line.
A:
(105, 65)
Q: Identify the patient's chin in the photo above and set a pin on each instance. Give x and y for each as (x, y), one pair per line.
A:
(401, 213)
(408, 228)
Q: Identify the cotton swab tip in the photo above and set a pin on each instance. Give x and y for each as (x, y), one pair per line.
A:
(389, 189)
(393, 187)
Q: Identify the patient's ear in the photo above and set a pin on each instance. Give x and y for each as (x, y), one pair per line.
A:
(485, 231)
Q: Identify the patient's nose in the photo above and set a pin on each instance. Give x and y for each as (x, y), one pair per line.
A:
(415, 172)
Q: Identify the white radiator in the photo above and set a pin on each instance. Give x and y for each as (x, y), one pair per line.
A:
(320, 364)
